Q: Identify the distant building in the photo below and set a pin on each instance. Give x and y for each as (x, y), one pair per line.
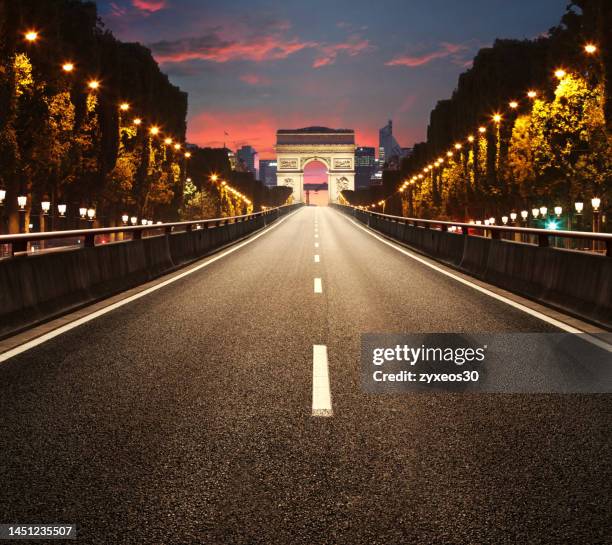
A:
(365, 166)
(248, 157)
(231, 157)
(377, 178)
(389, 151)
(267, 171)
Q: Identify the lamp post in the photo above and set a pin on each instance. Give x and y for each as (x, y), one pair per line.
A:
(22, 201)
(595, 203)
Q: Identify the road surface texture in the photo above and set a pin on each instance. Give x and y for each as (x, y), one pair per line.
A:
(186, 416)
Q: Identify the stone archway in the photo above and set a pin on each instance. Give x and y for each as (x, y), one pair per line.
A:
(335, 148)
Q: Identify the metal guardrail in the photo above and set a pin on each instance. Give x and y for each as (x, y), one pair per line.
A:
(543, 235)
(19, 241)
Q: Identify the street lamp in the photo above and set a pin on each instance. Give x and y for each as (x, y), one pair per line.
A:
(535, 212)
(91, 214)
(125, 219)
(154, 130)
(133, 220)
(61, 208)
(513, 216)
(168, 141)
(543, 211)
(68, 67)
(2, 195)
(143, 222)
(558, 211)
(82, 212)
(560, 73)
(46, 206)
(124, 106)
(532, 94)
(513, 104)
(579, 206)
(524, 214)
(94, 84)
(497, 118)
(482, 130)
(590, 48)
(177, 146)
(504, 220)
(187, 154)
(31, 36)
(22, 200)
(492, 221)
(137, 121)
(595, 202)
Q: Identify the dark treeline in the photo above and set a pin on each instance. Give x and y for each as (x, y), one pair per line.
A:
(62, 141)
(550, 150)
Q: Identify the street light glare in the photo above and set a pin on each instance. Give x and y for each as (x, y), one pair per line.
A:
(513, 104)
(31, 35)
(177, 146)
(590, 48)
(154, 130)
(93, 84)
(497, 118)
(168, 141)
(67, 67)
(124, 107)
(137, 121)
(532, 94)
(482, 130)
(560, 73)
(187, 154)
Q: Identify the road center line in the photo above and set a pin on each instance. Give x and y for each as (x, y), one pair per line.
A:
(318, 285)
(317, 259)
(321, 396)
(63, 329)
(316, 244)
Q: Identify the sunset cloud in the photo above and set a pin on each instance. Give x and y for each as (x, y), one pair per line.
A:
(150, 6)
(444, 51)
(255, 79)
(329, 53)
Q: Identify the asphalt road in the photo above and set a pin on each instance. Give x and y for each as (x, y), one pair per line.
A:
(186, 415)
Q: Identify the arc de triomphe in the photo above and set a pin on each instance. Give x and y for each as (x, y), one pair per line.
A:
(335, 148)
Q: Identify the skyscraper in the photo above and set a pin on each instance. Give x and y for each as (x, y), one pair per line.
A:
(267, 172)
(248, 156)
(365, 166)
(388, 147)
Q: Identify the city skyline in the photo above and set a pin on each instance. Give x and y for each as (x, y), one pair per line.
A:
(251, 68)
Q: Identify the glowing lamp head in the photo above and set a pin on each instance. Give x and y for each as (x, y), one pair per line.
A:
(449, 153)
(513, 104)
(91, 213)
(137, 121)
(214, 177)
(482, 130)
(560, 73)
(543, 210)
(61, 208)
(46, 206)
(143, 222)
(2, 195)
(558, 210)
(94, 84)
(67, 67)
(524, 214)
(458, 146)
(189, 179)
(504, 219)
(492, 221)
(125, 218)
(187, 154)
(154, 131)
(579, 206)
(82, 211)
(168, 141)
(133, 220)
(497, 118)
(513, 216)
(470, 139)
(22, 200)
(177, 146)
(124, 106)
(532, 94)
(551, 225)
(535, 212)
(595, 202)
(590, 48)
(31, 36)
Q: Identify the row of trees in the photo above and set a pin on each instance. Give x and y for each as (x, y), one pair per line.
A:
(551, 148)
(89, 121)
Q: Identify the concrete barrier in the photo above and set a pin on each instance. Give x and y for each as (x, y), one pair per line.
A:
(578, 283)
(37, 287)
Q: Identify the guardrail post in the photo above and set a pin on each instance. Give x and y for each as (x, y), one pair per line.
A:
(543, 240)
(90, 240)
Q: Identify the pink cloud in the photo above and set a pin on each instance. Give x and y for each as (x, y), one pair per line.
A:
(150, 6)
(213, 48)
(329, 53)
(255, 79)
(446, 50)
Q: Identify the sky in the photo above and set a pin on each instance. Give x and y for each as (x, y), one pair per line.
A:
(251, 67)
